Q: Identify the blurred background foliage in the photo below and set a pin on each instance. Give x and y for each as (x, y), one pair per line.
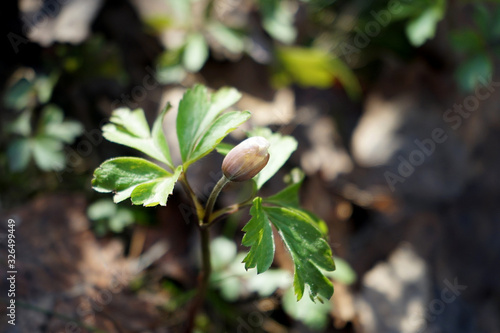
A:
(57, 94)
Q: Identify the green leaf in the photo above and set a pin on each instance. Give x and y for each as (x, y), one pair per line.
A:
(222, 126)
(52, 124)
(155, 192)
(309, 250)
(18, 153)
(48, 153)
(159, 139)
(290, 195)
(122, 175)
(130, 128)
(200, 127)
(280, 149)
(258, 236)
(195, 52)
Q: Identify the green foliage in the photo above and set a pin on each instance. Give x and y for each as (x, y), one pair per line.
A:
(258, 236)
(308, 248)
(201, 125)
(144, 182)
(130, 128)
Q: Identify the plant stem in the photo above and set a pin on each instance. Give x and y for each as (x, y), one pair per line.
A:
(212, 198)
(196, 203)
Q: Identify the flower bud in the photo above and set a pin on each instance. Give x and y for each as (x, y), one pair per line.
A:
(246, 159)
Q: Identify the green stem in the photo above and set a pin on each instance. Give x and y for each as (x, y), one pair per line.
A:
(212, 198)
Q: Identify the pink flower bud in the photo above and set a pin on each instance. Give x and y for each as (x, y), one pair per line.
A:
(246, 159)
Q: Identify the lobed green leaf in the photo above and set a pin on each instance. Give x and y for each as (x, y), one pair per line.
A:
(305, 241)
(308, 248)
(258, 236)
(155, 192)
(136, 178)
(131, 129)
(200, 125)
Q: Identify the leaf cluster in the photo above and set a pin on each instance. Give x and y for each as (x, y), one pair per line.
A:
(201, 125)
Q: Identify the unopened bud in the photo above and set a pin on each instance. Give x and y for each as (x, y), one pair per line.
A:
(246, 160)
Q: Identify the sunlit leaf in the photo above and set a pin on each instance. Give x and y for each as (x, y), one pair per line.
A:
(131, 129)
(122, 175)
(200, 124)
(156, 191)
